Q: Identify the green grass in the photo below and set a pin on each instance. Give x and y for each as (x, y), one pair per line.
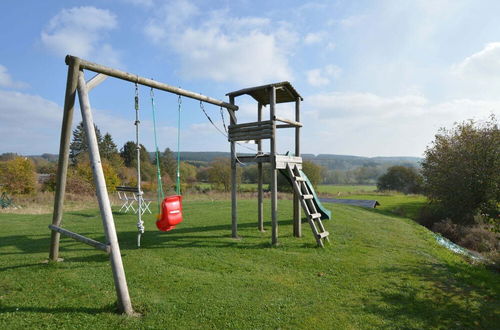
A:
(344, 189)
(379, 271)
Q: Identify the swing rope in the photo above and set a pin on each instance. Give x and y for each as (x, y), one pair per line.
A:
(159, 191)
(178, 182)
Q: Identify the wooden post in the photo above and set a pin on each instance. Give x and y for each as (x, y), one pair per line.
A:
(124, 303)
(274, 183)
(297, 223)
(260, 178)
(234, 183)
(62, 166)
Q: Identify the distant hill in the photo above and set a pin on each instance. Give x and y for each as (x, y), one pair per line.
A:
(330, 161)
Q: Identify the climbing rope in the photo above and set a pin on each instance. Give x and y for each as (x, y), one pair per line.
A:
(140, 223)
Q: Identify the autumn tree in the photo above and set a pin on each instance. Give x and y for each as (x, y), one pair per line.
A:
(18, 175)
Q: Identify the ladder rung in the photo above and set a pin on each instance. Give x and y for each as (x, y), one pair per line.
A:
(315, 215)
(299, 178)
(323, 234)
(307, 196)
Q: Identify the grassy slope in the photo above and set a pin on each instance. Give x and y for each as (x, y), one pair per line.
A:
(379, 271)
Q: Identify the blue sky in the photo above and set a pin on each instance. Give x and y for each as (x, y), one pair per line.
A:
(379, 78)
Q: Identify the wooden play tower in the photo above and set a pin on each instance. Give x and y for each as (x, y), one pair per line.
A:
(290, 166)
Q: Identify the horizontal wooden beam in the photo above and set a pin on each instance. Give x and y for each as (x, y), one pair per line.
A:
(80, 238)
(252, 129)
(255, 159)
(255, 123)
(260, 136)
(86, 65)
(253, 133)
(288, 121)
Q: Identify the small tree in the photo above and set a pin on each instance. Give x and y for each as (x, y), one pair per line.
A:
(401, 178)
(461, 170)
(169, 164)
(18, 175)
(219, 174)
(314, 172)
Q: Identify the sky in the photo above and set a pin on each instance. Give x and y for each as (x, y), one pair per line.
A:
(378, 78)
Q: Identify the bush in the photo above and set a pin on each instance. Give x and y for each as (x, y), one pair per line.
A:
(461, 171)
(477, 237)
(402, 179)
(18, 175)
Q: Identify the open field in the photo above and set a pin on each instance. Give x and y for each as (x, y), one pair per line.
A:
(335, 189)
(379, 271)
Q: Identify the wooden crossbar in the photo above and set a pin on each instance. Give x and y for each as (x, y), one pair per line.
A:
(81, 238)
(288, 121)
(146, 82)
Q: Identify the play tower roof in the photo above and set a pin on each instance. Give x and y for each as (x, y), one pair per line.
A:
(284, 93)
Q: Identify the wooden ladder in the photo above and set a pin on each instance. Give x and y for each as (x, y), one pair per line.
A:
(306, 200)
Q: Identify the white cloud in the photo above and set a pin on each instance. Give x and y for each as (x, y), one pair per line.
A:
(484, 64)
(313, 38)
(144, 3)
(7, 81)
(80, 31)
(323, 76)
(369, 124)
(29, 122)
(246, 50)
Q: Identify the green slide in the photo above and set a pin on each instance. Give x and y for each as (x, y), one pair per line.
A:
(325, 213)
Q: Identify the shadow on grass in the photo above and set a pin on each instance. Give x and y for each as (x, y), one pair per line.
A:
(57, 310)
(205, 236)
(216, 236)
(456, 296)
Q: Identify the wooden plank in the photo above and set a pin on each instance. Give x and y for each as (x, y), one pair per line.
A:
(255, 137)
(255, 123)
(62, 164)
(251, 129)
(288, 159)
(124, 303)
(288, 121)
(81, 238)
(259, 160)
(147, 82)
(250, 135)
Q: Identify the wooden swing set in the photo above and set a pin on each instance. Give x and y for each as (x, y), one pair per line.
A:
(290, 166)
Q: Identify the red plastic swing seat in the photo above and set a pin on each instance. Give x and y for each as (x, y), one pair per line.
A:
(171, 213)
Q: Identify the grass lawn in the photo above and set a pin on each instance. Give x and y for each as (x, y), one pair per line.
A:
(335, 189)
(380, 271)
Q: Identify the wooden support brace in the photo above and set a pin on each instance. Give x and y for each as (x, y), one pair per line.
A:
(95, 81)
(81, 238)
